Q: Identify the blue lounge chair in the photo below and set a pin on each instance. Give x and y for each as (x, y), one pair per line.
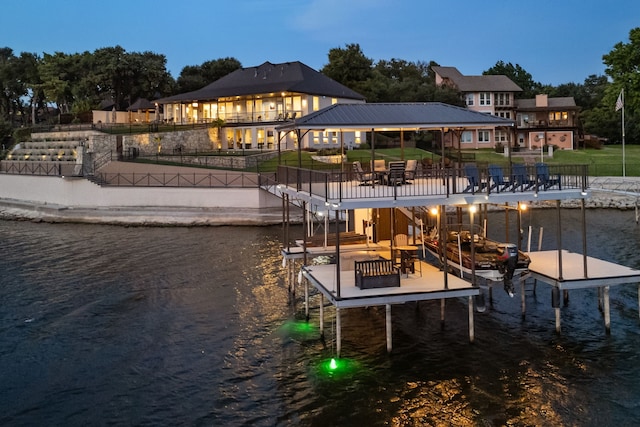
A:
(521, 179)
(545, 180)
(473, 175)
(499, 183)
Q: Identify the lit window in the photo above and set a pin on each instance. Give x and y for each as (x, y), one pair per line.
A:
(316, 103)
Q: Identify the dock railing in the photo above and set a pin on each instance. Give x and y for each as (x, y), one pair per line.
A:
(336, 185)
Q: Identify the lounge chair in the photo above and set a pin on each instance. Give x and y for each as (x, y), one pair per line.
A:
(499, 183)
(473, 175)
(365, 178)
(545, 180)
(521, 178)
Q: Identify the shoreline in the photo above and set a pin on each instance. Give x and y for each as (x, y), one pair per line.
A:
(166, 216)
(14, 210)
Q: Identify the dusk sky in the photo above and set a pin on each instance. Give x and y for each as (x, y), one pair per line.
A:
(556, 41)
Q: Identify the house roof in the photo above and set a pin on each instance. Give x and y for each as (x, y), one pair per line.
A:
(269, 78)
(394, 116)
(566, 102)
(141, 104)
(489, 83)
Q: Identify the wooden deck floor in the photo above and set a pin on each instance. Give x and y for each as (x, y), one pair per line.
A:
(545, 266)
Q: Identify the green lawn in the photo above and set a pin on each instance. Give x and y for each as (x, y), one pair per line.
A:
(604, 162)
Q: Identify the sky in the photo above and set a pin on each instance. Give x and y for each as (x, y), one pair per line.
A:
(557, 42)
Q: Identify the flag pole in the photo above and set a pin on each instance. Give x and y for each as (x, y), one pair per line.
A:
(624, 163)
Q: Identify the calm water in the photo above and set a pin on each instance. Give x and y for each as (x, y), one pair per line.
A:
(103, 325)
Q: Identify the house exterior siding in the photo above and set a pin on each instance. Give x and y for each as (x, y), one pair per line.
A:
(539, 122)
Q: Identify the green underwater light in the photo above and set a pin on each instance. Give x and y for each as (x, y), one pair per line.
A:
(299, 329)
(336, 367)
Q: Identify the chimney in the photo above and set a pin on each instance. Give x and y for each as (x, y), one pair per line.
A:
(542, 101)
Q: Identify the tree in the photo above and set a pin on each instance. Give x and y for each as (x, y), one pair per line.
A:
(518, 75)
(623, 67)
(193, 77)
(350, 67)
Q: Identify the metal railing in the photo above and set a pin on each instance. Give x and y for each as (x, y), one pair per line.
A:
(338, 186)
(200, 180)
(37, 168)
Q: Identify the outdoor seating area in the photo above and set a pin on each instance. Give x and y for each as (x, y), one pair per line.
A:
(504, 183)
(383, 173)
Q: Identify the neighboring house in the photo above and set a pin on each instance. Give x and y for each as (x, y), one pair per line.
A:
(492, 94)
(250, 102)
(547, 121)
(540, 121)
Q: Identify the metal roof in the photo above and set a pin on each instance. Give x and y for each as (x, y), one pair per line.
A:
(269, 78)
(394, 116)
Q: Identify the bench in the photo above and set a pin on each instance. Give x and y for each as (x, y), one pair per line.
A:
(380, 273)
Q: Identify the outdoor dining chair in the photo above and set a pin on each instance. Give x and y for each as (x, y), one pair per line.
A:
(365, 178)
(411, 171)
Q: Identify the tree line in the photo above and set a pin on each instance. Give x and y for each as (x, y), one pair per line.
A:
(38, 88)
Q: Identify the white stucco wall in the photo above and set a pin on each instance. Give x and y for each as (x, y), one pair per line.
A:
(80, 193)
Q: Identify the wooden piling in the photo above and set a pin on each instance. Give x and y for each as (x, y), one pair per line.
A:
(607, 313)
(471, 324)
(388, 326)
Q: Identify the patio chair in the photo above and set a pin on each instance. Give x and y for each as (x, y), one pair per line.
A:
(520, 177)
(378, 165)
(545, 180)
(473, 176)
(365, 178)
(395, 176)
(499, 183)
(411, 171)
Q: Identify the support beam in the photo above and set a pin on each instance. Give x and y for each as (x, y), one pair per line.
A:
(338, 333)
(321, 315)
(607, 313)
(442, 304)
(471, 321)
(389, 330)
(306, 299)
(522, 297)
(557, 309)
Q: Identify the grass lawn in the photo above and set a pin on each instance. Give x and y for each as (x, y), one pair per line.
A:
(604, 162)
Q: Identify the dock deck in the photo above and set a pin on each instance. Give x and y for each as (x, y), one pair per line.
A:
(545, 266)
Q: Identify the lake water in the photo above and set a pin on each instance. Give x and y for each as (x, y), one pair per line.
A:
(104, 325)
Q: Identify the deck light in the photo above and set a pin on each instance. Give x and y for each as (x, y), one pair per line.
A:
(434, 211)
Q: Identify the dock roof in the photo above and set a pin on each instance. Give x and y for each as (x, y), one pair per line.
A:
(394, 116)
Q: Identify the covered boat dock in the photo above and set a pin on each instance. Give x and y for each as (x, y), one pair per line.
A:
(336, 194)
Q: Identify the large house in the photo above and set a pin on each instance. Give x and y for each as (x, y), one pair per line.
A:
(250, 102)
(539, 122)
